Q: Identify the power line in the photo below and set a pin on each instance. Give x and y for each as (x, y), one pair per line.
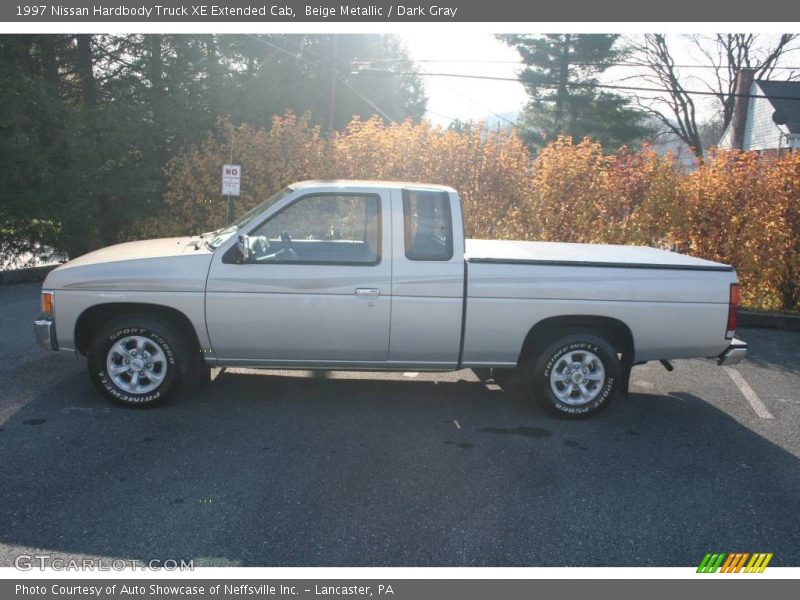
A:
(634, 64)
(439, 60)
(523, 63)
(632, 88)
(381, 112)
(438, 114)
(339, 77)
(368, 101)
(486, 108)
(294, 55)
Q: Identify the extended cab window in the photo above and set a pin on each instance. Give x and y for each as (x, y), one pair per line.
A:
(428, 225)
(321, 228)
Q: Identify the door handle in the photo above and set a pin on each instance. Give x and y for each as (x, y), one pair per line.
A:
(368, 292)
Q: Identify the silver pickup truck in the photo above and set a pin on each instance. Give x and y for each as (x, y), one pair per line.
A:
(379, 276)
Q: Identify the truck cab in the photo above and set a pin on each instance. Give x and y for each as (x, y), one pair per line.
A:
(384, 265)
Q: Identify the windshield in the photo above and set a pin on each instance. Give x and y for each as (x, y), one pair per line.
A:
(215, 238)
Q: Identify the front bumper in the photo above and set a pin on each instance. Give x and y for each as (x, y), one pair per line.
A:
(733, 354)
(45, 332)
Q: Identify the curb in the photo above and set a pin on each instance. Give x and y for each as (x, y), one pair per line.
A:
(787, 322)
(23, 275)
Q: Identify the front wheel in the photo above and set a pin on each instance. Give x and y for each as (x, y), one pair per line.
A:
(575, 375)
(137, 360)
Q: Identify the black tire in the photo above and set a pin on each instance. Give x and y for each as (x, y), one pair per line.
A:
(153, 334)
(565, 356)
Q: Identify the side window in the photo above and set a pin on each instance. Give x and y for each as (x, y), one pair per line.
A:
(333, 228)
(428, 225)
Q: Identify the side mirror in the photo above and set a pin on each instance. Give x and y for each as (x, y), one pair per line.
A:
(244, 248)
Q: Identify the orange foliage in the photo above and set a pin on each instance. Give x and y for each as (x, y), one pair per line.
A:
(743, 209)
(580, 194)
(735, 207)
(292, 150)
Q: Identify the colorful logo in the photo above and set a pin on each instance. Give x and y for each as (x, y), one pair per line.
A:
(734, 562)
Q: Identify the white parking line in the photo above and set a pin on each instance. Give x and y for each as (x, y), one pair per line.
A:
(748, 393)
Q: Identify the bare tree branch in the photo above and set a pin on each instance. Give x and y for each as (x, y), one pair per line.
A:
(725, 55)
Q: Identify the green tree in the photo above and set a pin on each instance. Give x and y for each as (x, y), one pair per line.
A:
(318, 74)
(561, 77)
(30, 125)
(90, 121)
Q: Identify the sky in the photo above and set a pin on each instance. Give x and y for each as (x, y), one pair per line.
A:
(450, 98)
(484, 54)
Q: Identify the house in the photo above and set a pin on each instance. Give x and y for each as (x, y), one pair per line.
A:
(766, 116)
(666, 142)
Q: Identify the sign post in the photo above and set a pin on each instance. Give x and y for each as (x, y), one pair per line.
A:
(231, 184)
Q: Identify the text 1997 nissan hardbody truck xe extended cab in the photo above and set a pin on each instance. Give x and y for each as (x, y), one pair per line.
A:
(379, 276)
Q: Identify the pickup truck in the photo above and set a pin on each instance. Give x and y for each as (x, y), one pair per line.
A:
(364, 275)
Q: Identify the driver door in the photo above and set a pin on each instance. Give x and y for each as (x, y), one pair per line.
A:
(316, 290)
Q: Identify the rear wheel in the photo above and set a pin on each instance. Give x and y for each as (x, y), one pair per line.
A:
(575, 375)
(137, 360)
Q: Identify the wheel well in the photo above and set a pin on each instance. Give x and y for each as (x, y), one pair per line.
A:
(617, 333)
(94, 317)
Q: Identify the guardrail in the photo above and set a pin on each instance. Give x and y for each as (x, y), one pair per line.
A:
(753, 318)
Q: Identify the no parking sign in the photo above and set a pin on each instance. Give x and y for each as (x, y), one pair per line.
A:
(231, 179)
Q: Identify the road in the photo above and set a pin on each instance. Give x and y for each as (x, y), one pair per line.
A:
(268, 468)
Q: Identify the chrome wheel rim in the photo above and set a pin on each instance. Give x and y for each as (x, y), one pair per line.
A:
(577, 377)
(136, 364)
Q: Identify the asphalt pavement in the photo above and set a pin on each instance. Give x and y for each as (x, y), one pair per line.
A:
(271, 468)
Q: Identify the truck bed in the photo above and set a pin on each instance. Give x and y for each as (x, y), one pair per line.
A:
(676, 306)
(590, 255)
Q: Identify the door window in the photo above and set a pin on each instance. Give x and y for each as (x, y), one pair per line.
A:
(428, 225)
(322, 228)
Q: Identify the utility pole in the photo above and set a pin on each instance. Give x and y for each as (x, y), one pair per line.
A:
(563, 79)
(229, 211)
(333, 78)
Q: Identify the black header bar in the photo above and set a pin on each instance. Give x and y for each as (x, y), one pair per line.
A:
(198, 11)
(732, 588)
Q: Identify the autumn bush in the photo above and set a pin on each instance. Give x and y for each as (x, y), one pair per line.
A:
(582, 194)
(492, 170)
(734, 207)
(744, 209)
(292, 150)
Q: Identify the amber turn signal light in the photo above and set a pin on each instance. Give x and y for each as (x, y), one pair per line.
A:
(47, 303)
